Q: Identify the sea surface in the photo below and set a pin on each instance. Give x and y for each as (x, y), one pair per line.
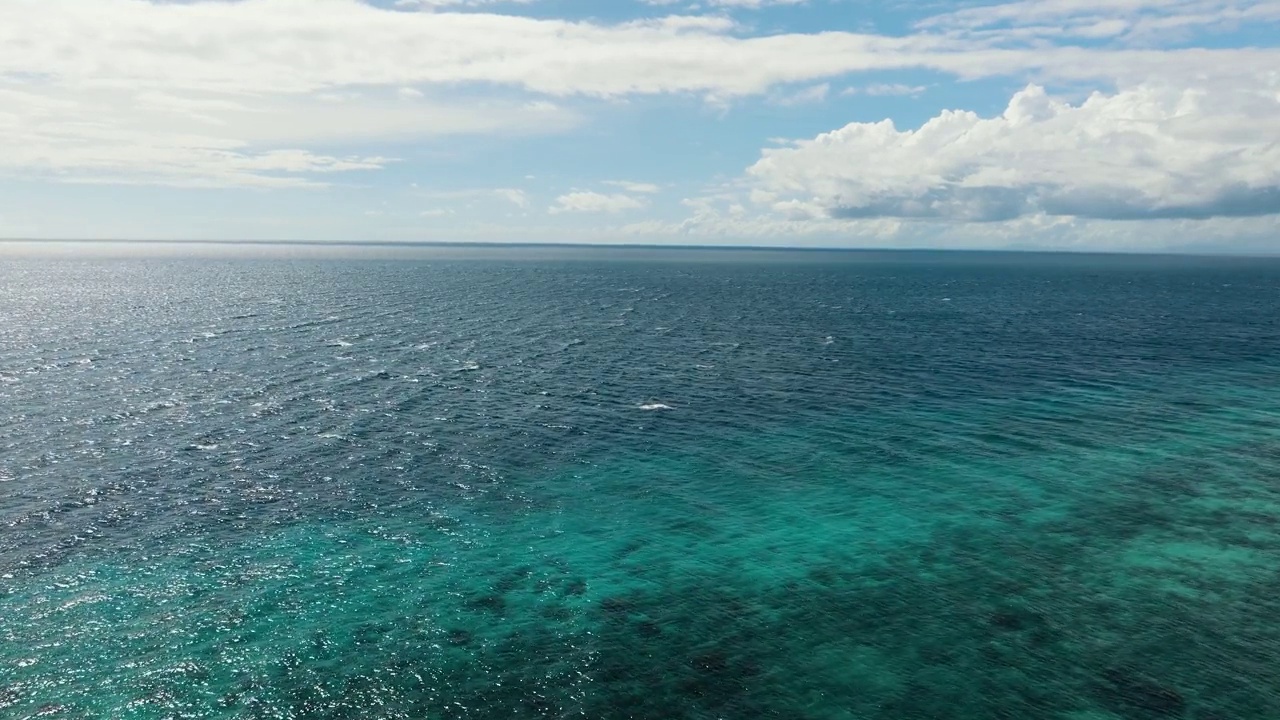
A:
(654, 485)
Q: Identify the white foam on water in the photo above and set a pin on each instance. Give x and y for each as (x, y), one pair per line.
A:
(656, 406)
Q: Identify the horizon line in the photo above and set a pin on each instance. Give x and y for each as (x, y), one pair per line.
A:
(475, 244)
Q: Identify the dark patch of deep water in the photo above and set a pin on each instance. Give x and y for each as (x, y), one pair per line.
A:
(851, 486)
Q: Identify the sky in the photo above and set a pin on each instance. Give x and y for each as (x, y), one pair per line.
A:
(1113, 125)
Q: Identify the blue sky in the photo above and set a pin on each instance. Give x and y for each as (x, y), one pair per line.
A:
(1057, 124)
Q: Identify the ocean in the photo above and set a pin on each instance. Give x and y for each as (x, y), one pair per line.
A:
(668, 484)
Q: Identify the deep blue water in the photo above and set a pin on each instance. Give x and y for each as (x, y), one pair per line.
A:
(666, 485)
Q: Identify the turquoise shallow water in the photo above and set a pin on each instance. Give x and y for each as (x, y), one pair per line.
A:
(847, 486)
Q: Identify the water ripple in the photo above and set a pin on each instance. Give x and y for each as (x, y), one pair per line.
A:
(905, 488)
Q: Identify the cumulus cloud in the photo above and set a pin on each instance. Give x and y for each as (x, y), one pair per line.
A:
(720, 220)
(1147, 152)
(594, 202)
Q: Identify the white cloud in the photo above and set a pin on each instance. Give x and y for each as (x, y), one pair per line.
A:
(747, 4)
(594, 202)
(437, 4)
(753, 3)
(716, 221)
(634, 187)
(719, 219)
(270, 93)
(1101, 18)
(254, 46)
(172, 136)
(515, 196)
(804, 96)
(885, 89)
(1147, 152)
(61, 136)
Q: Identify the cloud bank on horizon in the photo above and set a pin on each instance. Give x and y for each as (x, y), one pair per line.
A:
(1091, 124)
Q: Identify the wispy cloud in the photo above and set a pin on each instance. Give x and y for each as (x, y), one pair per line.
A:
(250, 48)
(634, 187)
(85, 131)
(1092, 19)
(438, 4)
(594, 202)
(885, 89)
(747, 4)
(804, 96)
(515, 196)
